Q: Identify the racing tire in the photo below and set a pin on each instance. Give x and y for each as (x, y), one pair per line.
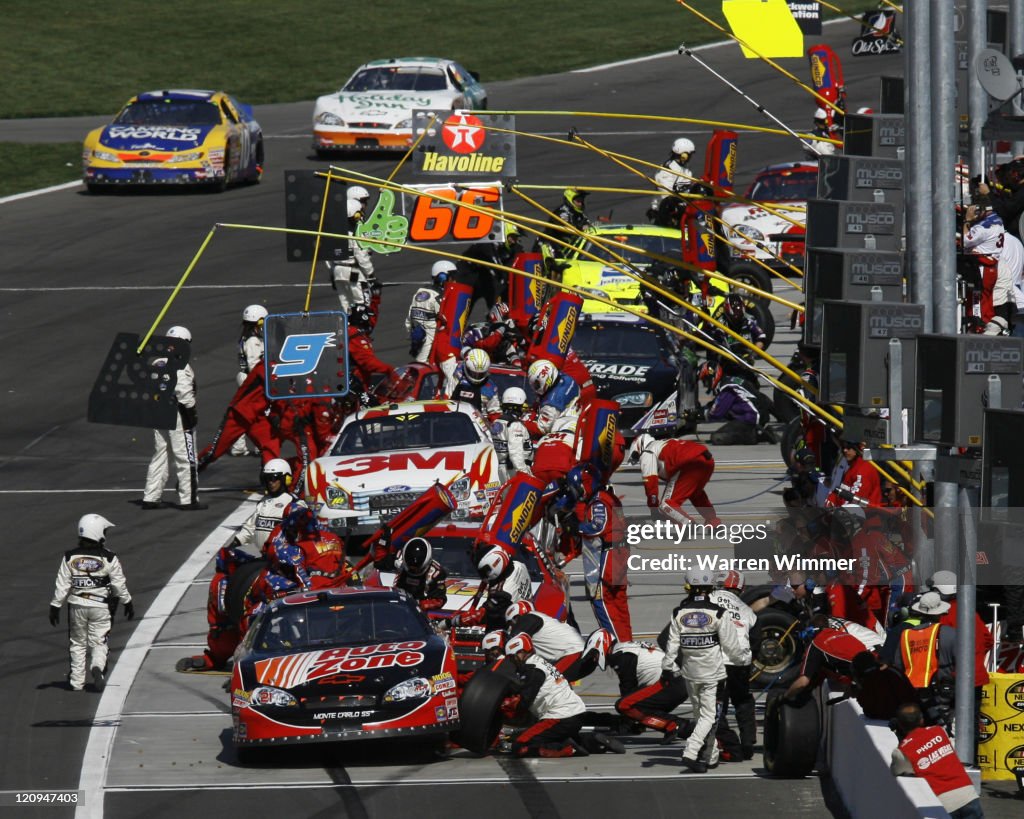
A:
(238, 587)
(790, 437)
(480, 711)
(753, 593)
(752, 274)
(776, 648)
(791, 732)
(764, 317)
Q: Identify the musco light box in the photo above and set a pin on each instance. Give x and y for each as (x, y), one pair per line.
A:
(861, 179)
(847, 275)
(859, 225)
(953, 385)
(855, 351)
(875, 135)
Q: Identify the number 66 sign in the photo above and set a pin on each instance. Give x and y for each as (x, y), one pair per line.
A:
(438, 213)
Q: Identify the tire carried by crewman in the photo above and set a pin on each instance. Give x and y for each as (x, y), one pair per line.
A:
(791, 737)
(480, 710)
(776, 647)
(238, 587)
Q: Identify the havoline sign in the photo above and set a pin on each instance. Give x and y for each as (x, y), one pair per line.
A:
(464, 143)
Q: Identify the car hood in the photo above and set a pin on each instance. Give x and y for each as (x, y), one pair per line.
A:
(402, 470)
(357, 668)
(763, 220)
(154, 137)
(383, 106)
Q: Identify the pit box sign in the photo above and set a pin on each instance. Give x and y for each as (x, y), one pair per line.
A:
(459, 144)
(807, 15)
(306, 355)
(437, 213)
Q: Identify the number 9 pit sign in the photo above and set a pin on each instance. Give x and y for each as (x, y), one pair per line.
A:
(305, 355)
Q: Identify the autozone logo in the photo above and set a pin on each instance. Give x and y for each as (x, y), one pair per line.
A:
(451, 461)
(858, 220)
(883, 323)
(875, 176)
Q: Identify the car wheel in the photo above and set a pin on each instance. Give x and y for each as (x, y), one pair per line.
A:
(790, 438)
(94, 189)
(791, 737)
(257, 176)
(480, 711)
(752, 274)
(775, 646)
(764, 318)
(239, 583)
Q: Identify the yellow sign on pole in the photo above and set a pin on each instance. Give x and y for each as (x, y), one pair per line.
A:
(764, 28)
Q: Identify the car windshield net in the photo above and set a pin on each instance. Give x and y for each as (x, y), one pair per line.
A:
(607, 341)
(665, 245)
(784, 187)
(169, 112)
(342, 622)
(410, 430)
(396, 79)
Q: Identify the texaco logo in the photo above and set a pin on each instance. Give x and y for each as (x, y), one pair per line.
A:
(463, 133)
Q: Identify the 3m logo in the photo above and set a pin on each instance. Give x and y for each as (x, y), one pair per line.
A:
(300, 354)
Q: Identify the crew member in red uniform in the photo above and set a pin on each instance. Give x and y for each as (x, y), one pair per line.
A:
(574, 367)
(363, 360)
(686, 465)
(859, 483)
(246, 415)
(926, 752)
(555, 453)
(830, 654)
(301, 547)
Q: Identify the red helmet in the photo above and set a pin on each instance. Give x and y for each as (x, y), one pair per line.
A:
(710, 375)
(733, 579)
(498, 313)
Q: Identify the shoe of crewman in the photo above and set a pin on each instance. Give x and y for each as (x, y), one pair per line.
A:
(195, 506)
(152, 504)
(693, 766)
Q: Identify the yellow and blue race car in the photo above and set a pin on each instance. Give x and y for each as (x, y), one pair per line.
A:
(175, 137)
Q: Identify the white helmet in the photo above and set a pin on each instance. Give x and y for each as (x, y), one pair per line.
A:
(820, 113)
(254, 313)
(514, 396)
(492, 564)
(700, 578)
(493, 639)
(640, 444)
(357, 192)
(521, 642)
(542, 375)
(477, 366)
(443, 268)
(179, 332)
(93, 527)
(683, 146)
(277, 466)
(518, 610)
(355, 208)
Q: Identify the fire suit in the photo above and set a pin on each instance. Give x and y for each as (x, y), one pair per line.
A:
(353, 278)
(264, 518)
(91, 580)
(483, 396)
(250, 353)
(315, 559)
(513, 585)
(687, 466)
(605, 554)
(558, 709)
(735, 405)
(644, 696)
(496, 338)
(363, 361)
(427, 589)
(180, 443)
(737, 677)
(560, 400)
(859, 484)
(421, 321)
(702, 639)
(673, 177)
(574, 367)
(512, 443)
(223, 635)
(245, 415)
(556, 642)
(1002, 257)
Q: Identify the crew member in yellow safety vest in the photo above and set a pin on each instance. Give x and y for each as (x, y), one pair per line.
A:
(927, 657)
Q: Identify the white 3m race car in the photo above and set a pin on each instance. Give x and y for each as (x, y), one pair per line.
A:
(373, 110)
(386, 457)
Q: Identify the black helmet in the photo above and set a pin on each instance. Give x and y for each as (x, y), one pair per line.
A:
(416, 555)
(360, 317)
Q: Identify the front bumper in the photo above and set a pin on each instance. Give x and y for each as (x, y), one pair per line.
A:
(152, 176)
(370, 140)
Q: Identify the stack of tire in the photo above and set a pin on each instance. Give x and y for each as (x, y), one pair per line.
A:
(791, 733)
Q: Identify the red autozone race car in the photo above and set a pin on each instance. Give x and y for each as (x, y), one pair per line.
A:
(754, 232)
(341, 664)
(385, 457)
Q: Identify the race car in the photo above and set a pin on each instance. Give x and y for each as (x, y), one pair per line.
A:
(630, 361)
(754, 232)
(373, 110)
(175, 137)
(386, 457)
(341, 664)
(599, 278)
(420, 382)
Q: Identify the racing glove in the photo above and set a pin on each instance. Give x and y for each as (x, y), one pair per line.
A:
(54, 615)
(468, 618)
(129, 610)
(189, 417)
(430, 604)
(667, 677)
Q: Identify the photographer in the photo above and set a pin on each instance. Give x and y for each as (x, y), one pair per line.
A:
(926, 752)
